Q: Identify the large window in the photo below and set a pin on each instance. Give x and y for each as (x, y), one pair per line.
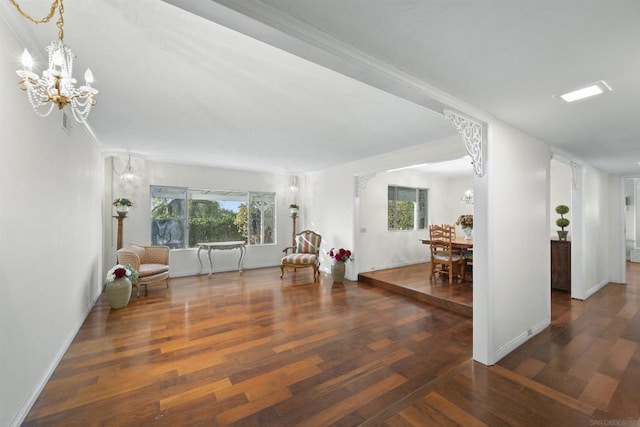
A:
(407, 208)
(184, 217)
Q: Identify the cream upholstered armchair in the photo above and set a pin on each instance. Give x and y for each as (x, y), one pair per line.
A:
(151, 262)
(306, 253)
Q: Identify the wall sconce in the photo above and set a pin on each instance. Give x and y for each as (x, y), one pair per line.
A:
(293, 184)
(467, 197)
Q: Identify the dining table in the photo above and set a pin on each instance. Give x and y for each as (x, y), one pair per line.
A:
(465, 246)
(458, 242)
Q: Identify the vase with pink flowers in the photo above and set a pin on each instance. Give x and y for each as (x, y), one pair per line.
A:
(338, 268)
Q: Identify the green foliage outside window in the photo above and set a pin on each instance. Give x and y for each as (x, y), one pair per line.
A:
(406, 208)
(211, 216)
(208, 222)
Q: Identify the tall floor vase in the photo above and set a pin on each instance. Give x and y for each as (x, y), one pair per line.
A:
(337, 271)
(118, 292)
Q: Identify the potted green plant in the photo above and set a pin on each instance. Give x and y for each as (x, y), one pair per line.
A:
(293, 209)
(122, 206)
(562, 222)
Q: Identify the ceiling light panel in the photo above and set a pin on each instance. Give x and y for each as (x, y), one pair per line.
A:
(590, 90)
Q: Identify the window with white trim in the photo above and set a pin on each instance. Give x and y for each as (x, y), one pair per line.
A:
(183, 217)
(406, 208)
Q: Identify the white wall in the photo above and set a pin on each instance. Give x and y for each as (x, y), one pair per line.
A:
(636, 221)
(455, 207)
(381, 248)
(333, 204)
(50, 238)
(184, 262)
(630, 212)
(511, 298)
(599, 217)
(617, 255)
(560, 194)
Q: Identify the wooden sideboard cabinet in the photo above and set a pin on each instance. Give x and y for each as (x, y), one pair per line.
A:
(561, 265)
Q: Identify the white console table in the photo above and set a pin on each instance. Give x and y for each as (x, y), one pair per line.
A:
(212, 246)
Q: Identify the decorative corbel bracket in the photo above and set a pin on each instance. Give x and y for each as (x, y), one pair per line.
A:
(472, 135)
(361, 182)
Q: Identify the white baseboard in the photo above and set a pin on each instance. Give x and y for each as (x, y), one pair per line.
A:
(519, 340)
(592, 290)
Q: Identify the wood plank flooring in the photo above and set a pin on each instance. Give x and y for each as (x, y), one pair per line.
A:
(583, 370)
(251, 350)
(413, 281)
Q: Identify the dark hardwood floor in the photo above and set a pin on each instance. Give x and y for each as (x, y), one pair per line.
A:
(253, 350)
(413, 281)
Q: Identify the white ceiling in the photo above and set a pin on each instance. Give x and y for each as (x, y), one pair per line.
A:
(202, 89)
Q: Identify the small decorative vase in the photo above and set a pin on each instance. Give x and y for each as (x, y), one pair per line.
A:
(337, 271)
(562, 234)
(468, 233)
(118, 292)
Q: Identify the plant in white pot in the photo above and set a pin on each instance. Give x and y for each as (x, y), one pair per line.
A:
(294, 209)
(122, 206)
(562, 222)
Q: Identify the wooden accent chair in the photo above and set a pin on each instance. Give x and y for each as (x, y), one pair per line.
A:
(444, 258)
(306, 253)
(151, 262)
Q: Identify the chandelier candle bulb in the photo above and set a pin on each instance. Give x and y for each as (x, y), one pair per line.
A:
(88, 77)
(27, 61)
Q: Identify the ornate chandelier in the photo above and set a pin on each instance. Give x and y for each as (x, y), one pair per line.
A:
(56, 86)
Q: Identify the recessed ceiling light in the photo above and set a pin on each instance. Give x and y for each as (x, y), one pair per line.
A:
(592, 89)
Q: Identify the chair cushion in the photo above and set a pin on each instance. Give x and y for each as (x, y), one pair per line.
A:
(306, 259)
(151, 269)
(308, 243)
(445, 257)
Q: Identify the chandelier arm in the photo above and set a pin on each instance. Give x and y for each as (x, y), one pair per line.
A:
(127, 166)
(44, 20)
(113, 167)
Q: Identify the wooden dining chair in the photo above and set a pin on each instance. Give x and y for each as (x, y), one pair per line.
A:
(444, 258)
(468, 264)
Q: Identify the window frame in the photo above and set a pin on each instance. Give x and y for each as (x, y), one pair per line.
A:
(249, 197)
(419, 216)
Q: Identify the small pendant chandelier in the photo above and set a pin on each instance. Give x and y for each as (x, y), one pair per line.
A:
(467, 197)
(56, 86)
